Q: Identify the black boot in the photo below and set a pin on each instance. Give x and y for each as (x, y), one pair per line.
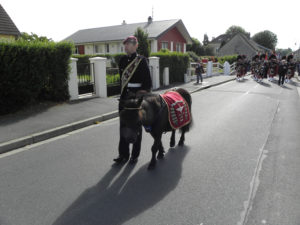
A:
(121, 159)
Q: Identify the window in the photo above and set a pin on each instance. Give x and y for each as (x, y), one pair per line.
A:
(76, 50)
(107, 48)
(98, 49)
(164, 45)
(178, 47)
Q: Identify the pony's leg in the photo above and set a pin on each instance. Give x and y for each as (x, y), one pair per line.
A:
(182, 138)
(172, 141)
(154, 150)
(161, 151)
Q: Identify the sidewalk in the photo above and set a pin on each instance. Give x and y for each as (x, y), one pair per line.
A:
(47, 121)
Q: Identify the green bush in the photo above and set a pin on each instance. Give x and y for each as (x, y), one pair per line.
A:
(177, 63)
(229, 58)
(31, 72)
(112, 79)
(193, 56)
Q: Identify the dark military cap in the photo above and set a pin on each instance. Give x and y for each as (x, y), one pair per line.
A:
(130, 39)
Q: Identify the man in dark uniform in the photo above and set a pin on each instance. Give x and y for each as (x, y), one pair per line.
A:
(291, 68)
(273, 67)
(135, 81)
(282, 70)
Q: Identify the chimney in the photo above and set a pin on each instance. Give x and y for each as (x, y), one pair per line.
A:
(124, 22)
(149, 19)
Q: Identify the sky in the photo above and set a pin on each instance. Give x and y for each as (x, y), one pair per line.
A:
(57, 19)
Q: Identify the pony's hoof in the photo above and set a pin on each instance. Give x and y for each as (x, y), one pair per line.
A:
(180, 143)
(151, 166)
(160, 155)
(133, 160)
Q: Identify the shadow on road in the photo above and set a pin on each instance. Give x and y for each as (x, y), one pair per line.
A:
(265, 84)
(126, 197)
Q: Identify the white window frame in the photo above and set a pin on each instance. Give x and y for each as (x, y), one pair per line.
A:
(98, 49)
(178, 47)
(76, 51)
(164, 45)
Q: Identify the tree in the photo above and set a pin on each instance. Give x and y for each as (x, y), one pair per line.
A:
(195, 47)
(205, 40)
(233, 30)
(144, 46)
(33, 37)
(208, 51)
(199, 49)
(266, 38)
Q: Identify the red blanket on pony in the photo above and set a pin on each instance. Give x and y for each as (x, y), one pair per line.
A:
(179, 112)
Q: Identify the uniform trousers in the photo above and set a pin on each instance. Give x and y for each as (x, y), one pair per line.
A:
(124, 145)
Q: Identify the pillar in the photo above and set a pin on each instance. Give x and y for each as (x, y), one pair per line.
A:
(166, 76)
(73, 80)
(154, 69)
(100, 76)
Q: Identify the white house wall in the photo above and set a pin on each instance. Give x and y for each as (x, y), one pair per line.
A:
(89, 49)
(153, 45)
(114, 48)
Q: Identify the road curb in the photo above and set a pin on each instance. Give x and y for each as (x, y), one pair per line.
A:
(47, 134)
(212, 85)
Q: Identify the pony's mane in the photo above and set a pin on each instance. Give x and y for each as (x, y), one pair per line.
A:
(153, 100)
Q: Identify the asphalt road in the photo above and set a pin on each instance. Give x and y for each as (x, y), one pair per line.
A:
(240, 166)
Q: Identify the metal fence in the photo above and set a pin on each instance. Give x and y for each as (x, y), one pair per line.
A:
(113, 81)
(86, 79)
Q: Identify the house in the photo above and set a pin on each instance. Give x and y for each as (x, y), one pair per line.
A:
(167, 34)
(8, 30)
(240, 44)
(218, 42)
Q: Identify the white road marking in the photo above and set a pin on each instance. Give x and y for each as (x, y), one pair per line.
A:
(298, 89)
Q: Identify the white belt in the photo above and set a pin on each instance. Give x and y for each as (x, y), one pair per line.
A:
(134, 85)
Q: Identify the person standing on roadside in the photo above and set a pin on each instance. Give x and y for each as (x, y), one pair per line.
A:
(199, 71)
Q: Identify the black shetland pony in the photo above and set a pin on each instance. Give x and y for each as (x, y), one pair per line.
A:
(151, 111)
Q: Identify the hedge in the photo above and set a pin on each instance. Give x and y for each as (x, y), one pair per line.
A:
(177, 63)
(31, 72)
